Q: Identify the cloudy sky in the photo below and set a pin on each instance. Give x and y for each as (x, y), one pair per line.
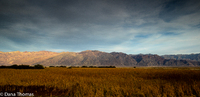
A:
(129, 26)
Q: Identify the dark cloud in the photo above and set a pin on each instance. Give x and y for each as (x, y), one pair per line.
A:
(177, 8)
(108, 25)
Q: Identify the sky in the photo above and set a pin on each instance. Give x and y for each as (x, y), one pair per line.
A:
(129, 26)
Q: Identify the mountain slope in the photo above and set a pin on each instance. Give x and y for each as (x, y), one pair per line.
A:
(17, 57)
(65, 58)
(149, 60)
(89, 58)
(195, 57)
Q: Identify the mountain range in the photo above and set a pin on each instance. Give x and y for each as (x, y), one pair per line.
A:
(195, 57)
(95, 58)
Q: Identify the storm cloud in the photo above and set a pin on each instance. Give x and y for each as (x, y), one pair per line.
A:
(129, 26)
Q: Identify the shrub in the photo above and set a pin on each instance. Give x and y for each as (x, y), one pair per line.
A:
(38, 66)
(63, 66)
(3, 66)
(69, 68)
(23, 67)
(92, 67)
(14, 66)
(84, 67)
(106, 67)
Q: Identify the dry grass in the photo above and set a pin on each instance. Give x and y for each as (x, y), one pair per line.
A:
(98, 82)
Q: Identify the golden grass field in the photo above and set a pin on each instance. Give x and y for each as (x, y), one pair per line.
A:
(101, 82)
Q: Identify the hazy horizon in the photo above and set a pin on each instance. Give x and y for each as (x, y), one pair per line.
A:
(162, 27)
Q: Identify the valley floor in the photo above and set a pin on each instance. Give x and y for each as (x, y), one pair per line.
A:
(99, 82)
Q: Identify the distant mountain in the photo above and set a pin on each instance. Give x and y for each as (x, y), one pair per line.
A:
(155, 60)
(195, 57)
(149, 60)
(17, 57)
(89, 58)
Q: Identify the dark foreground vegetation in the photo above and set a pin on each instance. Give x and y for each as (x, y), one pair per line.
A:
(120, 82)
(38, 66)
(85, 66)
(93, 67)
